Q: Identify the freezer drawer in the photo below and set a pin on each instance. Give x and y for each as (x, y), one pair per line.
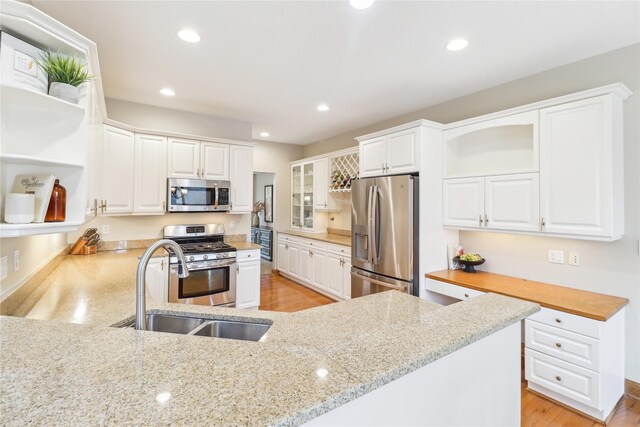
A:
(366, 283)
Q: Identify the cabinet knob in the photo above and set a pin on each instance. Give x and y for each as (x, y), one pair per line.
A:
(558, 377)
(558, 345)
(466, 295)
(558, 320)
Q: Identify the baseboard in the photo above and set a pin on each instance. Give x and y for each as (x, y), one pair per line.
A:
(632, 389)
(19, 295)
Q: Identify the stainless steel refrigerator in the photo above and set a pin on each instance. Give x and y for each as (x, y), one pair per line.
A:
(384, 235)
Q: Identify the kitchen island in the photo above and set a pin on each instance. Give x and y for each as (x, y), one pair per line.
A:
(66, 365)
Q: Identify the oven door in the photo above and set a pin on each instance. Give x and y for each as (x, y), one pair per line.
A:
(197, 195)
(208, 283)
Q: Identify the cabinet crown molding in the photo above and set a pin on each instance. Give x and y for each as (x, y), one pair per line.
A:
(413, 124)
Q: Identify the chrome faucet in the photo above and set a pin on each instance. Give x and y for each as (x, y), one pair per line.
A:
(141, 306)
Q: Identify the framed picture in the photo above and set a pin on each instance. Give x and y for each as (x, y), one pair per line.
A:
(268, 203)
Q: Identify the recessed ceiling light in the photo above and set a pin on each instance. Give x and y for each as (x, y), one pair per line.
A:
(457, 44)
(265, 134)
(361, 4)
(189, 36)
(168, 91)
(323, 107)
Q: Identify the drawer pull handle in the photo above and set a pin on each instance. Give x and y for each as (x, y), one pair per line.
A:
(558, 345)
(466, 295)
(558, 378)
(558, 321)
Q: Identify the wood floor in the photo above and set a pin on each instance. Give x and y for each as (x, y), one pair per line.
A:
(278, 293)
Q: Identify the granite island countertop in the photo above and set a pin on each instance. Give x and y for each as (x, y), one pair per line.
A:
(53, 371)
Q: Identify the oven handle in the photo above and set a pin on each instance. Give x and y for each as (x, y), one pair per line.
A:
(209, 265)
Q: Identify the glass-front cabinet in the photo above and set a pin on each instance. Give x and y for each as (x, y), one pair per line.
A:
(302, 196)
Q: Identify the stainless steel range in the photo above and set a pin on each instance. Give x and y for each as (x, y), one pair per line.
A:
(211, 264)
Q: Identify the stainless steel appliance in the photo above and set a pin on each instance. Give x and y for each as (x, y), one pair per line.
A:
(384, 240)
(211, 264)
(197, 195)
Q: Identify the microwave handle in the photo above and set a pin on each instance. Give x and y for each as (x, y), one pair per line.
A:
(216, 195)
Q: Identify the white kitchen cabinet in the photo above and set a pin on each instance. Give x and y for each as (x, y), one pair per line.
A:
(118, 154)
(214, 161)
(241, 177)
(150, 174)
(319, 259)
(503, 202)
(346, 278)
(306, 264)
(391, 152)
(335, 275)
(157, 279)
(294, 260)
(321, 183)
(511, 202)
(183, 158)
(283, 256)
(248, 280)
(581, 168)
(463, 202)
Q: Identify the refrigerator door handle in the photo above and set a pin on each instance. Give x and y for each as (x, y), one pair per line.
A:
(374, 222)
(402, 288)
(369, 225)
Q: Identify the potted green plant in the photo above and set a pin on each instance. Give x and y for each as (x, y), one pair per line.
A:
(65, 75)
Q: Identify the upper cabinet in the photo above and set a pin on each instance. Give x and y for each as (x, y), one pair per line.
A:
(118, 151)
(556, 169)
(391, 152)
(581, 170)
(150, 175)
(198, 160)
(241, 159)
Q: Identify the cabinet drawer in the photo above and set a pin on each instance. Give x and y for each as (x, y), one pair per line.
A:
(252, 255)
(569, 322)
(288, 238)
(339, 249)
(565, 345)
(567, 379)
(453, 291)
(314, 244)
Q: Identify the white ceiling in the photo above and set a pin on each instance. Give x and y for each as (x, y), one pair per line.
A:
(271, 63)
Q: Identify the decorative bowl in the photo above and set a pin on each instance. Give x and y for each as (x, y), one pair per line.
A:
(468, 265)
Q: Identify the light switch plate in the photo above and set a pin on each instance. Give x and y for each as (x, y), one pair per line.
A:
(556, 256)
(16, 260)
(24, 63)
(106, 229)
(4, 267)
(574, 258)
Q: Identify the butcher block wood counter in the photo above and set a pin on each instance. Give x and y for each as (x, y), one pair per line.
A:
(582, 303)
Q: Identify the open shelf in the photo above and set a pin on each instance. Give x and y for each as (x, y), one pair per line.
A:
(18, 159)
(19, 230)
(39, 100)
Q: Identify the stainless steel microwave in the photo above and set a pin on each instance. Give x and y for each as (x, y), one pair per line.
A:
(197, 195)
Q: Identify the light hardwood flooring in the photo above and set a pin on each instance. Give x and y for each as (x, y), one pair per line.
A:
(278, 293)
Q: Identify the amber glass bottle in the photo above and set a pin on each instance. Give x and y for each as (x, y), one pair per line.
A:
(58, 204)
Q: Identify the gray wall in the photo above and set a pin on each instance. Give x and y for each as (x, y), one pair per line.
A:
(165, 119)
(260, 180)
(610, 268)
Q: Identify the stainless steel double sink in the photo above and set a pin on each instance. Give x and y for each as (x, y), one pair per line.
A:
(204, 327)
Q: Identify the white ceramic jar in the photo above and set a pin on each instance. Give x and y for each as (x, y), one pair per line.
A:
(19, 208)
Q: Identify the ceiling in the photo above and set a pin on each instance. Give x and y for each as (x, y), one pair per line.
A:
(271, 63)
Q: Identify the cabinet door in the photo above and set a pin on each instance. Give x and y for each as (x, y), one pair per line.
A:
(283, 256)
(307, 199)
(321, 183)
(576, 167)
(403, 152)
(294, 261)
(157, 279)
(118, 151)
(319, 269)
(335, 275)
(214, 162)
(150, 186)
(248, 284)
(241, 174)
(306, 265)
(346, 278)
(373, 155)
(296, 196)
(183, 158)
(463, 202)
(512, 202)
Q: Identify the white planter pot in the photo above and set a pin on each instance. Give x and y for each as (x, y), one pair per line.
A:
(64, 91)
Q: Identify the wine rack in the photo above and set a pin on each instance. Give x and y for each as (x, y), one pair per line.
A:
(343, 169)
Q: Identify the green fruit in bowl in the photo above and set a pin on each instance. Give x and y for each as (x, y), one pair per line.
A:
(470, 257)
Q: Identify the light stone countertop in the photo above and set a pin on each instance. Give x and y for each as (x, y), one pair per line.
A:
(56, 372)
(245, 246)
(323, 237)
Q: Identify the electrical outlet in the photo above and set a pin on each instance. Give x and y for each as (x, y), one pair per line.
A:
(16, 260)
(232, 225)
(574, 258)
(4, 267)
(556, 256)
(106, 229)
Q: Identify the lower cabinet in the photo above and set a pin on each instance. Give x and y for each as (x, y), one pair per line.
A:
(157, 279)
(248, 279)
(323, 267)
